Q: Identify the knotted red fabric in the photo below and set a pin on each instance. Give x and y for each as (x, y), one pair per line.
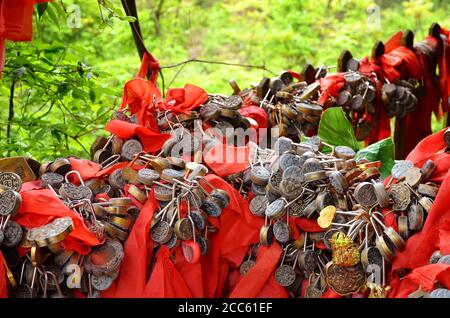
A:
(183, 100)
(331, 86)
(40, 207)
(403, 63)
(141, 95)
(256, 113)
(86, 168)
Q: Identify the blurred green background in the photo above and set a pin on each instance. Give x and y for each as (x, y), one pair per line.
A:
(66, 82)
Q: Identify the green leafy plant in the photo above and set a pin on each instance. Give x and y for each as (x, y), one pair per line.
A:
(336, 129)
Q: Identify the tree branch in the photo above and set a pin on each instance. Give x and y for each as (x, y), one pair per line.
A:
(261, 67)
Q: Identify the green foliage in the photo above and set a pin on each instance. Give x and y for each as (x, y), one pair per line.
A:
(383, 151)
(335, 129)
(68, 79)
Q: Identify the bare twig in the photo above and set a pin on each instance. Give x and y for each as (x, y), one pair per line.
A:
(82, 146)
(261, 67)
(176, 74)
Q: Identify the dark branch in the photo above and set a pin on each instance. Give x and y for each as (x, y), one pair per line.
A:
(261, 67)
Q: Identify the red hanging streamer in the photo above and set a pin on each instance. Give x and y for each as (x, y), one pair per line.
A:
(138, 256)
(16, 18)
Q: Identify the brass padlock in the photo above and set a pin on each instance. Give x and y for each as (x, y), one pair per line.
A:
(26, 168)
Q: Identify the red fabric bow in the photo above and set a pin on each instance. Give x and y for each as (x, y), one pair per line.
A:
(183, 100)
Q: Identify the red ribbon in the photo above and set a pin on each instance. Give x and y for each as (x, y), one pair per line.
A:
(16, 18)
(151, 140)
(442, 46)
(225, 159)
(253, 284)
(260, 116)
(183, 100)
(40, 207)
(331, 86)
(166, 281)
(132, 281)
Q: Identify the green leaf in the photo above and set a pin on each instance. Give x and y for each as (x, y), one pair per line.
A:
(20, 60)
(130, 18)
(92, 95)
(383, 151)
(335, 129)
(57, 135)
(58, 7)
(41, 7)
(80, 94)
(52, 14)
(118, 12)
(40, 134)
